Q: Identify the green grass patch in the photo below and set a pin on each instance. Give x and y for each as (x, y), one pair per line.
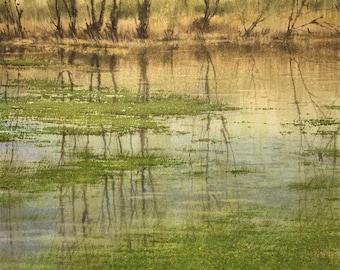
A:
(317, 122)
(325, 152)
(129, 113)
(316, 182)
(333, 107)
(6, 137)
(240, 244)
(242, 170)
(47, 87)
(90, 168)
(9, 200)
(24, 62)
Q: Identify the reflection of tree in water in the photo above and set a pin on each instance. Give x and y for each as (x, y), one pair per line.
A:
(322, 123)
(203, 55)
(168, 57)
(144, 86)
(121, 211)
(317, 185)
(61, 75)
(95, 61)
(6, 222)
(95, 75)
(216, 199)
(113, 69)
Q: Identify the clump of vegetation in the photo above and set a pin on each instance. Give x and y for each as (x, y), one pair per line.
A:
(317, 122)
(210, 9)
(6, 137)
(333, 107)
(251, 14)
(316, 182)
(242, 170)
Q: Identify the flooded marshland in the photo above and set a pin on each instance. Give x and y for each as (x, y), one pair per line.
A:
(169, 157)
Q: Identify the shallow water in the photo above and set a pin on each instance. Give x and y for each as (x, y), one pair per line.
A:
(235, 162)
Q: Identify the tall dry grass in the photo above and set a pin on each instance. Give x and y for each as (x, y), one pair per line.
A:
(174, 20)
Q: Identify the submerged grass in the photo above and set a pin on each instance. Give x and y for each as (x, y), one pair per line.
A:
(6, 137)
(238, 244)
(325, 152)
(316, 182)
(242, 170)
(318, 122)
(333, 107)
(129, 113)
(24, 62)
(89, 169)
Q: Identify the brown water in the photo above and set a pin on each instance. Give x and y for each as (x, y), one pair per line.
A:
(234, 160)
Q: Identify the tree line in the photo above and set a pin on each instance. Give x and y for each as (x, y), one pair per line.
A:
(66, 22)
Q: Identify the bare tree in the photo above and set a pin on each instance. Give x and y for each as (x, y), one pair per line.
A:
(298, 9)
(143, 17)
(58, 24)
(260, 16)
(72, 12)
(296, 12)
(93, 28)
(114, 16)
(14, 14)
(210, 10)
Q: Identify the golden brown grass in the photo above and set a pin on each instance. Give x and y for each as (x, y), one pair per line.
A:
(227, 27)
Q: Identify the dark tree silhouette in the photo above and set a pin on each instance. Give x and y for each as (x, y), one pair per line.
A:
(14, 15)
(72, 12)
(114, 16)
(93, 28)
(143, 17)
(210, 10)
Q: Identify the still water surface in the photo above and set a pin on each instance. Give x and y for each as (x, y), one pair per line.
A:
(233, 160)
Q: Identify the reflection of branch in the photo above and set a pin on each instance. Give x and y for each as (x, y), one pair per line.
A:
(113, 65)
(85, 215)
(144, 87)
(103, 133)
(62, 149)
(226, 137)
(311, 95)
(108, 207)
(294, 87)
(209, 62)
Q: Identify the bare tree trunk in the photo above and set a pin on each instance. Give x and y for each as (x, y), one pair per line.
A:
(60, 30)
(143, 17)
(14, 13)
(296, 12)
(202, 24)
(72, 12)
(95, 26)
(114, 16)
(19, 12)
